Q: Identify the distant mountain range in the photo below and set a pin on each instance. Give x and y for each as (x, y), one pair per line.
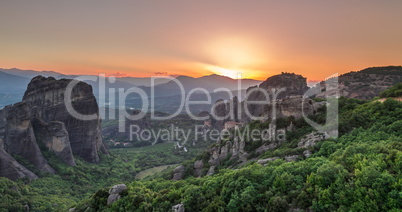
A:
(14, 81)
(364, 84)
(12, 84)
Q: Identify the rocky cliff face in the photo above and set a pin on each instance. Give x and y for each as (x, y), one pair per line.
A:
(294, 106)
(292, 83)
(365, 84)
(19, 137)
(46, 99)
(219, 114)
(289, 102)
(277, 87)
(42, 119)
(222, 112)
(10, 168)
(55, 137)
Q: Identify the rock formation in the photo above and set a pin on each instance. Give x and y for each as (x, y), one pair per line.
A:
(178, 208)
(198, 166)
(311, 139)
(276, 87)
(266, 160)
(42, 120)
(46, 99)
(287, 103)
(365, 84)
(10, 168)
(294, 106)
(55, 137)
(178, 173)
(291, 158)
(222, 112)
(219, 114)
(115, 193)
(284, 99)
(19, 137)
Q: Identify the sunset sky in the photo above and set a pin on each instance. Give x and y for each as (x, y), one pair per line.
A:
(258, 38)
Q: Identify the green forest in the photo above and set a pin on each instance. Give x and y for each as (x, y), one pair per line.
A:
(359, 171)
(63, 190)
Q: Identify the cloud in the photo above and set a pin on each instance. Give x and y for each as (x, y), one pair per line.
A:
(160, 73)
(117, 74)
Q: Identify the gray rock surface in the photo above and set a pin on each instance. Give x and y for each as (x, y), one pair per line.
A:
(265, 147)
(42, 117)
(211, 170)
(292, 84)
(178, 173)
(19, 137)
(55, 137)
(117, 189)
(311, 139)
(356, 85)
(225, 150)
(10, 168)
(266, 160)
(46, 99)
(307, 153)
(291, 158)
(198, 166)
(219, 114)
(115, 193)
(178, 208)
(112, 198)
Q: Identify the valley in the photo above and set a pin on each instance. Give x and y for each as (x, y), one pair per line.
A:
(75, 163)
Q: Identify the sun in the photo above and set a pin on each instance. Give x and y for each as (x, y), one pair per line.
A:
(234, 74)
(233, 57)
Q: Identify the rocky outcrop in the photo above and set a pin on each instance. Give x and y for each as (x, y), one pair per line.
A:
(198, 166)
(115, 193)
(307, 153)
(10, 168)
(42, 120)
(287, 102)
(178, 173)
(46, 99)
(222, 112)
(223, 149)
(263, 148)
(219, 114)
(292, 83)
(284, 99)
(291, 158)
(266, 160)
(211, 170)
(19, 137)
(238, 150)
(311, 139)
(276, 87)
(55, 137)
(294, 106)
(365, 84)
(178, 208)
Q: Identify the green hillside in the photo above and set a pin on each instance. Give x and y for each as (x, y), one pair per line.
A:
(360, 171)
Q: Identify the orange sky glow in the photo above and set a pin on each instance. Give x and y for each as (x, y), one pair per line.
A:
(257, 39)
